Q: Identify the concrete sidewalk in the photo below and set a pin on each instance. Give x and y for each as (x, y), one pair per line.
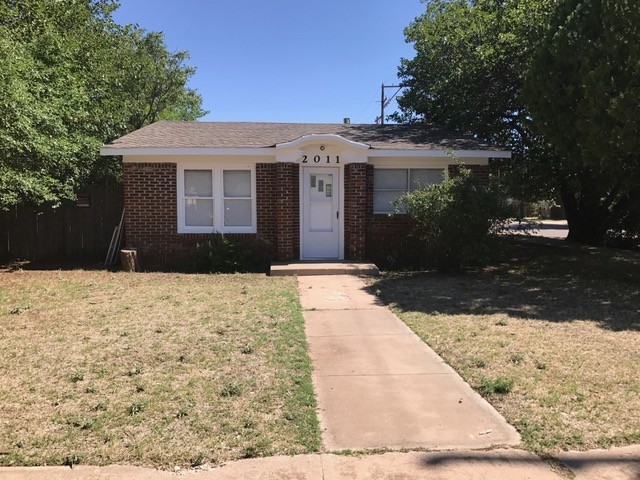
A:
(379, 386)
(616, 464)
(496, 464)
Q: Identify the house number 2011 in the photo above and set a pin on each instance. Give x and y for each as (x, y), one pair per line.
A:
(318, 159)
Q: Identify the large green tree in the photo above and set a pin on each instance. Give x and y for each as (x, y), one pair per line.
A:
(583, 89)
(468, 74)
(71, 79)
(473, 60)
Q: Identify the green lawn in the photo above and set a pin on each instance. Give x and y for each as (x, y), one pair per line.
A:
(152, 369)
(556, 327)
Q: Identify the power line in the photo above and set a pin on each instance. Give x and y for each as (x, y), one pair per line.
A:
(384, 101)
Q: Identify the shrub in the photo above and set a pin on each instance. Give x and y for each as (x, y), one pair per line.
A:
(455, 220)
(221, 254)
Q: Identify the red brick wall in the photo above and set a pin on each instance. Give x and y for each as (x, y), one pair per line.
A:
(151, 222)
(151, 216)
(150, 208)
(265, 203)
(355, 210)
(388, 237)
(287, 211)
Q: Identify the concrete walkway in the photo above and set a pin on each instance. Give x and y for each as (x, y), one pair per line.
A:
(379, 386)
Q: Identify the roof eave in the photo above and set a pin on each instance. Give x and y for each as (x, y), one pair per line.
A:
(108, 150)
(114, 150)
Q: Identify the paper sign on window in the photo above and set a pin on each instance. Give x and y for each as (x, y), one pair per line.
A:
(328, 190)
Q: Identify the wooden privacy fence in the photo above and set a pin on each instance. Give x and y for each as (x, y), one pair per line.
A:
(74, 232)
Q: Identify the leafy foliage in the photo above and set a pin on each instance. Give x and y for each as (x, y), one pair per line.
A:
(221, 254)
(554, 82)
(468, 74)
(71, 80)
(582, 89)
(455, 220)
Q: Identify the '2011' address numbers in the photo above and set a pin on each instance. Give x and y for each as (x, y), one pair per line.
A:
(318, 159)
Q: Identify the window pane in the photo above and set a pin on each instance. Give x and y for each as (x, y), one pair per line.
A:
(237, 213)
(423, 177)
(197, 183)
(198, 213)
(237, 183)
(382, 201)
(392, 179)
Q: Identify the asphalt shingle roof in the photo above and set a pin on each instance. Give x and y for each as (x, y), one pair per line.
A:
(173, 134)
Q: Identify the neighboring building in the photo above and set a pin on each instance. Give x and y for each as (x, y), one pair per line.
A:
(305, 191)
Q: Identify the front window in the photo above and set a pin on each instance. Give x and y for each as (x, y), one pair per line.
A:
(391, 183)
(198, 198)
(237, 198)
(216, 200)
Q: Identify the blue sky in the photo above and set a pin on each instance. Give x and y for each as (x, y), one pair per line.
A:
(284, 60)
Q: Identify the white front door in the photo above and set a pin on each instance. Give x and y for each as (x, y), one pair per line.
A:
(320, 213)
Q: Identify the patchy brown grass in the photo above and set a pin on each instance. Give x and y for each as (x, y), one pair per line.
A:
(555, 328)
(152, 369)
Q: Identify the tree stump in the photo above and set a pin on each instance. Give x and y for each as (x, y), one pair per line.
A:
(129, 260)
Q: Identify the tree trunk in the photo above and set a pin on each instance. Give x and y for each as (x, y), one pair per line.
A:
(129, 260)
(584, 215)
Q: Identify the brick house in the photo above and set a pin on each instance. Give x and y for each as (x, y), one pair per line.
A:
(303, 191)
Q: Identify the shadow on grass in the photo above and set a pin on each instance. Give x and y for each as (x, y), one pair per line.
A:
(549, 281)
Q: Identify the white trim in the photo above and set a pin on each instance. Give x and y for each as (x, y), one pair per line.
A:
(440, 153)
(218, 197)
(341, 203)
(107, 151)
(328, 137)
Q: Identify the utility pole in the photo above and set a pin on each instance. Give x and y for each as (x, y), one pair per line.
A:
(384, 101)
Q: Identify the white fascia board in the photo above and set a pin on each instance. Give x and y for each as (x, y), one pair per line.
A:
(327, 137)
(108, 151)
(440, 153)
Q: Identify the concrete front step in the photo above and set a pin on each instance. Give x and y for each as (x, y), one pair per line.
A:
(323, 268)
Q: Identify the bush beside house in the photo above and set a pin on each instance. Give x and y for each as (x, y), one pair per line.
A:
(455, 220)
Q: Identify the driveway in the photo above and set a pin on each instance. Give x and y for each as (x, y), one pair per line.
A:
(544, 228)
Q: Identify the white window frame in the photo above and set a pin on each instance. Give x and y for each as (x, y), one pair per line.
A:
(394, 167)
(217, 170)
